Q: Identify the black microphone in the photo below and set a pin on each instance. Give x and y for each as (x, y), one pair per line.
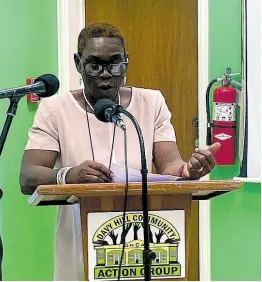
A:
(105, 110)
(44, 86)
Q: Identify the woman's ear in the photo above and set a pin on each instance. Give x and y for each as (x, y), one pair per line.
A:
(78, 62)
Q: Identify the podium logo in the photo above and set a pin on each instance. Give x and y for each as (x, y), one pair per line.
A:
(108, 243)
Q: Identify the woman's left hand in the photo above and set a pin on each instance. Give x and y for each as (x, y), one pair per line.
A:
(201, 162)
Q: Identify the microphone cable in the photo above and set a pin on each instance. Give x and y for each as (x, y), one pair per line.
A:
(112, 147)
(123, 235)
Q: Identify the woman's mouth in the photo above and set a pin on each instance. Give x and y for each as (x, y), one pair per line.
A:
(105, 86)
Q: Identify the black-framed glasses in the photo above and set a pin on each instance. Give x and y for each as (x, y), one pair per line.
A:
(115, 69)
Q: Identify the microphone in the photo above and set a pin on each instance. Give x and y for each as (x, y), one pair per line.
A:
(105, 110)
(44, 86)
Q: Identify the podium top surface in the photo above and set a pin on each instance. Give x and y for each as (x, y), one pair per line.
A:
(69, 193)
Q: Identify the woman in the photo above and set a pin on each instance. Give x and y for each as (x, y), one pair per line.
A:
(66, 134)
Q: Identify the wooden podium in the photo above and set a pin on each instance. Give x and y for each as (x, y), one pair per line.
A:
(97, 199)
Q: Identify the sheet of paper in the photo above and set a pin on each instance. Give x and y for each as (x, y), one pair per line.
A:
(135, 175)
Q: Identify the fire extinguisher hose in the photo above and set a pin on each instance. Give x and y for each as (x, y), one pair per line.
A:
(209, 125)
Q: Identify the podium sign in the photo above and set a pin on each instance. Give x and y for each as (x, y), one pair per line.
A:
(167, 241)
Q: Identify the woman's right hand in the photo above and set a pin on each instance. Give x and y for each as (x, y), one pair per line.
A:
(89, 172)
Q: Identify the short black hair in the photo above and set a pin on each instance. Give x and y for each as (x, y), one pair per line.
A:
(98, 30)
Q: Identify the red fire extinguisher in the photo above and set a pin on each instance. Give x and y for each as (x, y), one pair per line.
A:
(223, 126)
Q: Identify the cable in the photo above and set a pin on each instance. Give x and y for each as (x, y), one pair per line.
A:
(89, 131)
(112, 147)
(208, 137)
(1, 258)
(243, 166)
(123, 237)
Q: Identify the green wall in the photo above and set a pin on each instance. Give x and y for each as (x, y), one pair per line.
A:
(235, 217)
(28, 48)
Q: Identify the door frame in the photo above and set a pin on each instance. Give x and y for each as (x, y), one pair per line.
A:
(203, 79)
(68, 30)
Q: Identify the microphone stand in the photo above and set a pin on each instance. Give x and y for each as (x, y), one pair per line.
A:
(11, 112)
(148, 255)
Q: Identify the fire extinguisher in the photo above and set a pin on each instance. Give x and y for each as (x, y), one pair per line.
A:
(222, 129)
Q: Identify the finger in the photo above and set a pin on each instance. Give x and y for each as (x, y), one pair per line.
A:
(197, 174)
(93, 179)
(206, 171)
(192, 173)
(214, 147)
(195, 163)
(88, 171)
(201, 159)
(102, 168)
(91, 171)
(207, 155)
(84, 178)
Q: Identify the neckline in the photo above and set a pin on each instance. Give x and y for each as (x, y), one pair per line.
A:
(91, 114)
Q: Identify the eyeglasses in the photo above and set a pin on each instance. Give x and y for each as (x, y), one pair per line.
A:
(115, 69)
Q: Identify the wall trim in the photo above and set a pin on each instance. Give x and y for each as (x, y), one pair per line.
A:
(63, 44)
(70, 19)
(204, 206)
(69, 26)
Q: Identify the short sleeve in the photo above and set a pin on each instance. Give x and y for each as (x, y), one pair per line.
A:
(43, 134)
(164, 130)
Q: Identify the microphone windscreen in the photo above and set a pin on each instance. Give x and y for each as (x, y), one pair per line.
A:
(100, 107)
(51, 83)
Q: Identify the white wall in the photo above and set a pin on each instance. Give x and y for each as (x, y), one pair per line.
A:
(254, 87)
(71, 19)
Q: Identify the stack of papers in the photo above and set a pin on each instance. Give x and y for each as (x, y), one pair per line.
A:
(135, 175)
